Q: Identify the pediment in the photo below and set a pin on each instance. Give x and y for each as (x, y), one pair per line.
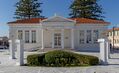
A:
(58, 19)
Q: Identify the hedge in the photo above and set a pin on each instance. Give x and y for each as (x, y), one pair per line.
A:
(59, 58)
(87, 60)
(36, 60)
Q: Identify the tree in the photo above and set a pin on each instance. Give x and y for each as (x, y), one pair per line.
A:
(26, 9)
(86, 9)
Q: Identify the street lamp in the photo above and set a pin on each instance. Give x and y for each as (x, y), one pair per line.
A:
(113, 35)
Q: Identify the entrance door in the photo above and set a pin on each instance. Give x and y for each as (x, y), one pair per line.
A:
(57, 40)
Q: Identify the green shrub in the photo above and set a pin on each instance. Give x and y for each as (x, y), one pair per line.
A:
(59, 58)
(36, 59)
(93, 60)
(87, 60)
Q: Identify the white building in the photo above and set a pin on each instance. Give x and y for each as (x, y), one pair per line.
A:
(58, 32)
(113, 36)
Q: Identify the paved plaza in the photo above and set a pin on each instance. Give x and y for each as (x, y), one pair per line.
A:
(9, 66)
(95, 69)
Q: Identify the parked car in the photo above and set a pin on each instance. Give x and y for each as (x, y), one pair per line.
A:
(3, 47)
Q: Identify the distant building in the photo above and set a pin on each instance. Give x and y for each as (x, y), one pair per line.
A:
(4, 42)
(113, 36)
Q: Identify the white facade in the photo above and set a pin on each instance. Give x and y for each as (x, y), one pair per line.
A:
(58, 32)
(113, 36)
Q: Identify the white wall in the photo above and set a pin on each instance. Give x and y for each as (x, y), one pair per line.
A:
(89, 47)
(67, 35)
(13, 29)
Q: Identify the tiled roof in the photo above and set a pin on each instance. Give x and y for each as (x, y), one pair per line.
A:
(33, 20)
(85, 20)
(78, 20)
(115, 29)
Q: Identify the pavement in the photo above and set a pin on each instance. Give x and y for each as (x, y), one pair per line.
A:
(9, 66)
(93, 69)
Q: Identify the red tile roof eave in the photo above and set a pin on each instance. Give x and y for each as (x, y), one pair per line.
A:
(78, 20)
(86, 20)
(110, 30)
(76, 23)
(22, 23)
(94, 23)
(27, 21)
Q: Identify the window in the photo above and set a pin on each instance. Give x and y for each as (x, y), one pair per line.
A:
(114, 41)
(33, 36)
(117, 40)
(110, 33)
(113, 33)
(57, 41)
(20, 34)
(116, 33)
(95, 36)
(81, 35)
(88, 36)
(26, 36)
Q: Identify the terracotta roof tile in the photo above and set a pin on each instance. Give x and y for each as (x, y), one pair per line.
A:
(78, 20)
(85, 20)
(116, 29)
(33, 20)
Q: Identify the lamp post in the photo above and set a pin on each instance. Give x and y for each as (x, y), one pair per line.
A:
(113, 36)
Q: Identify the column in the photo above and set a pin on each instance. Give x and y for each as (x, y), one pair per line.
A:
(20, 52)
(85, 36)
(62, 38)
(30, 38)
(12, 49)
(42, 39)
(23, 36)
(72, 38)
(103, 51)
(108, 49)
(52, 38)
(92, 36)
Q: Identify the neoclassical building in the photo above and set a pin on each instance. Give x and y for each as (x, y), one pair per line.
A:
(58, 33)
(113, 36)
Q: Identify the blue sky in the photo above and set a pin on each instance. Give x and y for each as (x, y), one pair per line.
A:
(50, 7)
